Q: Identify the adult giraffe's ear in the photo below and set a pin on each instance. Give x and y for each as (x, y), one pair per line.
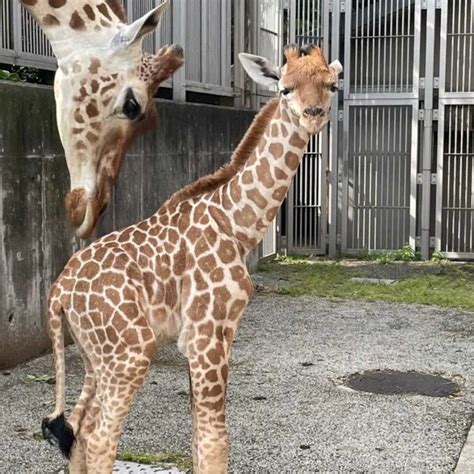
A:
(261, 70)
(134, 32)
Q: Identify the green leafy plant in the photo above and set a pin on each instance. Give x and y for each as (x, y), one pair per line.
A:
(20, 74)
(41, 378)
(437, 257)
(182, 461)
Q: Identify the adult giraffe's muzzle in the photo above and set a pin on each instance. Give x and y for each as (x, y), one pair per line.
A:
(84, 210)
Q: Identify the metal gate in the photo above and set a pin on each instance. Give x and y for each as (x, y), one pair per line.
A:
(307, 201)
(455, 152)
(396, 165)
(380, 124)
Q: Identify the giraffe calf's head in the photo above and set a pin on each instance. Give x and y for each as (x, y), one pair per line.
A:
(104, 98)
(306, 83)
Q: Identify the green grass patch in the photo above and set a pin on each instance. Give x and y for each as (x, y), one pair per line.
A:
(451, 285)
(182, 461)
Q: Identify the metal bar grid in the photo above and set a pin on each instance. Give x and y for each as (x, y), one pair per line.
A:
(454, 224)
(309, 22)
(382, 43)
(307, 203)
(458, 24)
(455, 179)
(23, 42)
(380, 150)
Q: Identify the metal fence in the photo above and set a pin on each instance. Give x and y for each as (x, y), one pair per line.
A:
(202, 27)
(399, 165)
(307, 199)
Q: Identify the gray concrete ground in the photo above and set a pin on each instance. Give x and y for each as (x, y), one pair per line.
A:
(286, 415)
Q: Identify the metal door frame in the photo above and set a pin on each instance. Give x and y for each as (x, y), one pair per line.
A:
(324, 136)
(446, 99)
(373, 99)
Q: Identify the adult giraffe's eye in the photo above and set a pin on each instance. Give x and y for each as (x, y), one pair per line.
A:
(333, 88)
(286, 91)
(131, 108)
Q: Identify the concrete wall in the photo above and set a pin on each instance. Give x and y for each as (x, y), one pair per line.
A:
(35, 240)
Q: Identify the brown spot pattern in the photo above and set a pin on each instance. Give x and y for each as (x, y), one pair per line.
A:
(77, 23)
(264, 173)
(297, 141)
(292, 160)
(276, 149)
(50, 20)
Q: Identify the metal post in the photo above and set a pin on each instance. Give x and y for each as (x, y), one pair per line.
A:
(334, 142)
(179, 36)
(239, 47)
(428, 132)
(17, 29)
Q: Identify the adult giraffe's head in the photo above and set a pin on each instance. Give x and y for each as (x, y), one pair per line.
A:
(306, 82)
(104, 89)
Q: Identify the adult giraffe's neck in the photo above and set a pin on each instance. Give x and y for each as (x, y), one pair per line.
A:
(74, 24)
(251, 199)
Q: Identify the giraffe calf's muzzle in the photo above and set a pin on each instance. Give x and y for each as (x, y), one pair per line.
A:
(313, 112)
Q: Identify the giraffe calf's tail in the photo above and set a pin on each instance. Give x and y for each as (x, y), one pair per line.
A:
(56, 430)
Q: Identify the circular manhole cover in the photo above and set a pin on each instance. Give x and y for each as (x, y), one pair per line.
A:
(393, 382)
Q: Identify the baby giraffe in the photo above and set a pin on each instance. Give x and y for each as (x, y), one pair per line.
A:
(181, 275)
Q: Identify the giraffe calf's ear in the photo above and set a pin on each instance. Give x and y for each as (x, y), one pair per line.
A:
(260, 69)
(336, 66)
(130, 34)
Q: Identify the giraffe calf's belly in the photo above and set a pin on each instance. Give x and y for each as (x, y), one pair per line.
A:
(165, 323)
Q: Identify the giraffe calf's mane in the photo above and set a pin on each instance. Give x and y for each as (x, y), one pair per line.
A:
(240, 156)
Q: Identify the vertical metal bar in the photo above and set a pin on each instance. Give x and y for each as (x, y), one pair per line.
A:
(427, 133)
(374, 43)
(409, 44)
(402, 49)
(179, 36)
(439, 170)
(397, 39)
(333, 164)
(344, 172)
(470, 85)
(348, 33)
(293, 8)
(385, 40)
(362, 65)
(204, 41)
(225, 43)
(464, 44)
(347, 48)
(239, 46)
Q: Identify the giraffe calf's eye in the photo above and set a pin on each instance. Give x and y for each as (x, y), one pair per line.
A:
(286, 91)
(131, 108)
(333, 88)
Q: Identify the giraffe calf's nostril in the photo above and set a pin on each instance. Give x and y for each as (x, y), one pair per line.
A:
(313, 111)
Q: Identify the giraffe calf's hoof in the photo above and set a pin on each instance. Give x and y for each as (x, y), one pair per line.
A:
(58, 432)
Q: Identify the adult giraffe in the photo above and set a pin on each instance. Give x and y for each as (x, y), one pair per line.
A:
(104, 89)
(181, 275)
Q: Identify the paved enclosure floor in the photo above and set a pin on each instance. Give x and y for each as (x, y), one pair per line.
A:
(287, 409)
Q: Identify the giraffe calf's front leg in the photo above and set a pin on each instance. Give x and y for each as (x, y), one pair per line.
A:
(208, 388)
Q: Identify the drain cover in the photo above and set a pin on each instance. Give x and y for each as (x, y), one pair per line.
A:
(393, 382)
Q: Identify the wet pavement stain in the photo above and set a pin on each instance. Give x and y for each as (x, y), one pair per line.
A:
(393, 382)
